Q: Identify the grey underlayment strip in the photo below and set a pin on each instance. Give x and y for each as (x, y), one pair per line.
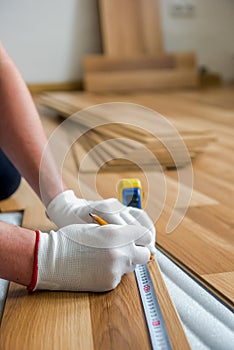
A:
(207, 322)
(14, 218)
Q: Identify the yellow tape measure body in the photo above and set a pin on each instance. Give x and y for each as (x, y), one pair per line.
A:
(130, 192)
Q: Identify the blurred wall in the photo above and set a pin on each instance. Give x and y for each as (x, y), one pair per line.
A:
(209, 32)
(48, 38)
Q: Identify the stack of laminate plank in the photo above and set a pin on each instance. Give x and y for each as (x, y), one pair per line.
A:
(110, 149)
(134, 58)
(104, 74)
(109, 135)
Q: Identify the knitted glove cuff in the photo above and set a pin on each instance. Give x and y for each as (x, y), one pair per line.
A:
(32, 285)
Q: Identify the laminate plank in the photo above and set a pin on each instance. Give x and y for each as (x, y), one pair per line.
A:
(208, 219)
(105, 63)
(202, 250)
(81, 154)
(222, 281)
(120, 151)
(46, 320)
(179, 110)
(25, 199)
(130, 27)
(217, 115)
(218, 164)
(214, 97)
(122, 314)
(213, 288)
(178, 340)
(185, 59)
(141, 80)
(128, 148)
(222, 213)
(213, 186)
(56, 104)
(85, 320)
(164, 149)
(198, 199)
(104, 73)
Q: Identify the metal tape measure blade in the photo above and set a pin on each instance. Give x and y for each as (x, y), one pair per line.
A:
(153, 314)
(132, 188)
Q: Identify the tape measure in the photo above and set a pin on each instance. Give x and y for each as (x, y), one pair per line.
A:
(130, 193)
(155, 322)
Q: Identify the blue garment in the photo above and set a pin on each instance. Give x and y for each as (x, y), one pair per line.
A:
(9, 177)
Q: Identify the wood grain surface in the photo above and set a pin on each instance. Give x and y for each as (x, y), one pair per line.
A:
(130, 27)
(109, 74)
(141, 80)
(113, 320)
(116, 154)
(105, 63)
(202, 243)
(63, 320)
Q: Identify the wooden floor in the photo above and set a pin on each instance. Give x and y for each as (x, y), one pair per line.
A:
(203, 243)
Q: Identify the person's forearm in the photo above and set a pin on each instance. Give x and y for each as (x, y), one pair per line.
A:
(21, 133)
(16, 253)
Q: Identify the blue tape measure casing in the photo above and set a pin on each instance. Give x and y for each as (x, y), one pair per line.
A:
(130, 192)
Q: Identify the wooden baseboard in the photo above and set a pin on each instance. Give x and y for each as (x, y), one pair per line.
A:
(79, 85)
(63, 86)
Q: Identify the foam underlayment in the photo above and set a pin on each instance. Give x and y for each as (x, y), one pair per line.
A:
(208, 324)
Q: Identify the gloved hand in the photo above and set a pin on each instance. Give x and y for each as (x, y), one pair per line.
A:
(88, 257)
(67, 209)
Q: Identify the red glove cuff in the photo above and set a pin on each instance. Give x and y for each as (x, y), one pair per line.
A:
(33, 283)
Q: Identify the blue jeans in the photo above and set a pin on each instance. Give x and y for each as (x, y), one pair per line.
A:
(9, 177)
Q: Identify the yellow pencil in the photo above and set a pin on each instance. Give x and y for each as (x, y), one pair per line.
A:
(102, 222)
(98, 220)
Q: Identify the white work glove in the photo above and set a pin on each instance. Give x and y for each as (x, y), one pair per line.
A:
(67, 209)
(88, 257)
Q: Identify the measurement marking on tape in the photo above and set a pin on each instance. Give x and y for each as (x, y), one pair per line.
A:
(154, 318)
